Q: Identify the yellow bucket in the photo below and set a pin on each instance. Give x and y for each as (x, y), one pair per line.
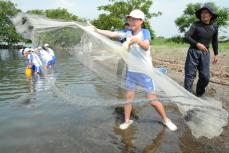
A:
(28, 72)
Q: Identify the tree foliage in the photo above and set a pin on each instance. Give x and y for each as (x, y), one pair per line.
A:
(115, 13)
(188, 17)
(59, 13)
(65, 37)
(7, 30)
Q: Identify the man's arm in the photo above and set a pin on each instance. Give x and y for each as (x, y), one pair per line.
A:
(188, 37)
(215, 46)
(215, 42)
(189, 34)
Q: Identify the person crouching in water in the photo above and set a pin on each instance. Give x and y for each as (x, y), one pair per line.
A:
(199, 36)
(45, 57)
(33, 60)
(139, 47)
(51, 52)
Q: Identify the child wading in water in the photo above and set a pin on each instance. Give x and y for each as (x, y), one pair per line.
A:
(46, 58)
(33, 60)
(139, 46)
(51, 52)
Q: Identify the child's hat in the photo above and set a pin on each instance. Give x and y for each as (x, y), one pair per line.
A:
(27, 50)
(46, 45)
(138, 14)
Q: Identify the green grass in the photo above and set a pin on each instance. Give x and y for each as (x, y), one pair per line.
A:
(163, 42)
(224, 47)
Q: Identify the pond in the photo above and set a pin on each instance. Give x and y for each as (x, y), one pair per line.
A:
(36, 117)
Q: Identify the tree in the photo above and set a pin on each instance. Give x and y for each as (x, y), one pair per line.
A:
(64, 37)
(38, 12)
(114, 18)
(59, 13)
(188, 16)
(7, 30)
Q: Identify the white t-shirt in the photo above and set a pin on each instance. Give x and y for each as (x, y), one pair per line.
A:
(51, 52)
(138, 53)
(33, 58)
(45, 55)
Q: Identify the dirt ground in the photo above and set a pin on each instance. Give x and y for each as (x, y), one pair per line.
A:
(174, 58)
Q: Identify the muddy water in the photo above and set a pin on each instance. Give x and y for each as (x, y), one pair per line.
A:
(35, 118)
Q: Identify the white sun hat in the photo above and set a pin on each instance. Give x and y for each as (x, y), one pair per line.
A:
(26, 50)
(46, 45)
(138, 14)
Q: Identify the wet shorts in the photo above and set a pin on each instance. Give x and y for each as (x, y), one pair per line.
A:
(53, 60)
(36, 69)
(133, 79)
(48, 63)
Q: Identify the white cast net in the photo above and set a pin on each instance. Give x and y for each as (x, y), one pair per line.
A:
(108, 59)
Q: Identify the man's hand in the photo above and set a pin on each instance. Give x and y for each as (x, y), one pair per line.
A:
(201, 47)
(215, 59)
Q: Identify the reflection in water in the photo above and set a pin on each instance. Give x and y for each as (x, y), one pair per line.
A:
(128, 136)
(32, 81)
(151, 148)
(34, 85)
(38, 82)
(4, 54)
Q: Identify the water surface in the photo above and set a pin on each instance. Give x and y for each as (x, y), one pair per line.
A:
(35, 117)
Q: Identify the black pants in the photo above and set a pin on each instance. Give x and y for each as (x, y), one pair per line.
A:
(197, 60)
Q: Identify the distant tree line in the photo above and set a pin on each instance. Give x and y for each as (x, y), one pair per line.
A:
(7, 30)
(59, 13)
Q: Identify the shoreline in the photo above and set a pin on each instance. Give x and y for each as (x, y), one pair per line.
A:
(11, 46)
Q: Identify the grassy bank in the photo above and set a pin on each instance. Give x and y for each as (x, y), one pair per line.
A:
(224, 46)
(163, 42)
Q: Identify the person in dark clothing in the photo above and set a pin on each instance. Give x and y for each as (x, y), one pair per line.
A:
(200, 35)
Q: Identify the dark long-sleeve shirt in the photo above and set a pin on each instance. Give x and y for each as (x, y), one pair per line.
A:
(203, 33)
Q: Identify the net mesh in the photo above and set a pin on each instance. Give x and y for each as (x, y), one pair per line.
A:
(108, 59)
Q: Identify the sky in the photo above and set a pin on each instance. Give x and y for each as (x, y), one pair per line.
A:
(163, 25)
